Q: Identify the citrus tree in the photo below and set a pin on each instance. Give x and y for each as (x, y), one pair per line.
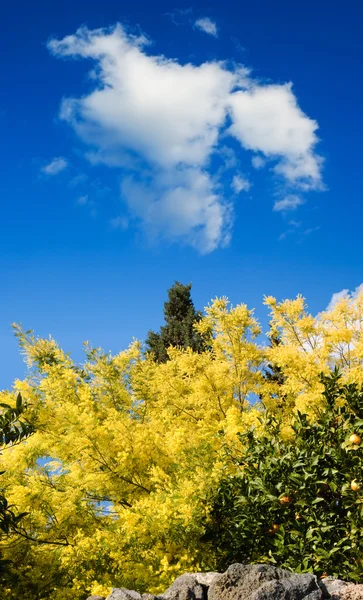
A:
(297, 503)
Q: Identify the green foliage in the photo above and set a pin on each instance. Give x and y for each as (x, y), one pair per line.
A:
(179, 331)
(291, 502)
(12, 431)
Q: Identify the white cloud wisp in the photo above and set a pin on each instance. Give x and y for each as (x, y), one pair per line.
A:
(240, 184)
(288, 203)
(207, 25)
(57, 165)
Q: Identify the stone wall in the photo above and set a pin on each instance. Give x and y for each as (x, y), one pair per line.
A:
(248, 582)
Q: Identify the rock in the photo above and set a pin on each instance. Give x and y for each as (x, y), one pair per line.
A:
(206, 578)
(313, 595)
(185, 587)
(352, 592)
(302, 585)
(191, 586)
(270, 590)
(263, 582)
(332, 587)
(123, 594)
(248, 582)
(279, 590)
(240, 581)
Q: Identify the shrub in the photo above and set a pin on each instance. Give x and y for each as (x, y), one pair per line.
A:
(297, 503)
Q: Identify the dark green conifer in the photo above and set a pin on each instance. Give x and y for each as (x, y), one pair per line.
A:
(180, 317)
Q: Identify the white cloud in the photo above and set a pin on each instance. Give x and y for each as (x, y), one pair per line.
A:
(240, 184)
(344, 294)
(180, 204)
(150, 105)
(159, 119)
(228, 156)
(268, 119)
(291, 202)
(207, 25)
(258, 162)
(55, 166)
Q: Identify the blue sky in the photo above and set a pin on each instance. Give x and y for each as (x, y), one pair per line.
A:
(218, 143)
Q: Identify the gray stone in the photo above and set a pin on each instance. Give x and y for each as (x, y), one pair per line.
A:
(185, 587)
(248, 582)
(280, 590)
(206, 578)
(263, 582)
(240, 581)
(352, 592)
(314, 595)
(297, 587)
(302, 585)
(270, 590)
(332, 587)
(123, 594)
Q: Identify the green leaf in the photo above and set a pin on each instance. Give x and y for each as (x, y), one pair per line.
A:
(19, 401)
(317, 500)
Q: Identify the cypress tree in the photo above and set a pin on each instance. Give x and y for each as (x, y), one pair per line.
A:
(180, 316)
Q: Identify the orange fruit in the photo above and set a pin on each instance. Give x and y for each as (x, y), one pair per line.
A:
(355, 439)
(275, 527)
(355, 485)
(285, 500)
